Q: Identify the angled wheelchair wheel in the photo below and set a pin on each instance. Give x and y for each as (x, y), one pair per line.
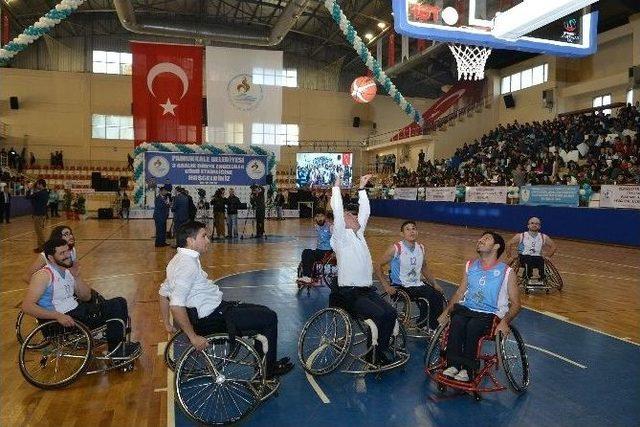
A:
(221, 384)
(175, 349)
(402, 303)
(63, 358)
(325, 341)
(521, 280)
(553, 280)
(24, 325)
(512, 357)
(434, 356)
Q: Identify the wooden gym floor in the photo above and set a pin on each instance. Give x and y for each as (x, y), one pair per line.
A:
(602, 291)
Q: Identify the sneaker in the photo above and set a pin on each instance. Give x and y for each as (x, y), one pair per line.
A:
(282, 367)
(451, 372)
(462, 376)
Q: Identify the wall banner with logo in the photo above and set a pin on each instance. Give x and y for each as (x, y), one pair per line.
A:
(486, 194)
(550, 195)
(620, 196)
(405, 194)
(204, 169)
(440, 194)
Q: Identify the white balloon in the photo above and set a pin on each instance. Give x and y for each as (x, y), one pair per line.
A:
(449, 15)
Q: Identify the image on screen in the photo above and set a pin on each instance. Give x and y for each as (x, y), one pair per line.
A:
(319, 169)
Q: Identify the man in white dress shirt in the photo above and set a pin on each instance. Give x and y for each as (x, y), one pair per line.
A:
(355, 268)
(197, 306)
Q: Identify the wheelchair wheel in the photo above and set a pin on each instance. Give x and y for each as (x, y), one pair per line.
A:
(175, 349)
(521, 280)
(325, 341)
(434, 356)
(24, 325)
(64, 358)
(403, 305)
(221, 384)
(553, 279)
(512, 357)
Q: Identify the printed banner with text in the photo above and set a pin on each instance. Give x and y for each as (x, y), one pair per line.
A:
(550, 195)
(205, 169)
(440, 194)
(486, 194)
(405, 193)
(620, 196)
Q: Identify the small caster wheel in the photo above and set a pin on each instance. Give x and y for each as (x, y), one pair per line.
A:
(442, 388)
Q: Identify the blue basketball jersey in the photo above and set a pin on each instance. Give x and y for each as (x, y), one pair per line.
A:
(487, 288)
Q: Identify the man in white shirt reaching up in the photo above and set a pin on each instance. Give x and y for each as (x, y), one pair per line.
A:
(355, 268)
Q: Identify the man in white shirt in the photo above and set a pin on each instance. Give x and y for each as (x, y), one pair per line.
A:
(531, 247)
(355, 268)
(197, 306)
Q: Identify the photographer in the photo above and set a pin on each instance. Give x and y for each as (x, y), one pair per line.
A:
(233, 204)
(258, 203)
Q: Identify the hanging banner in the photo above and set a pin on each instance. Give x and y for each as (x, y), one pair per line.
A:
(620, 196)
(405, 194)
(440, 194)
(204, 169)
(486, 194)
(167, 93)
(550, 195)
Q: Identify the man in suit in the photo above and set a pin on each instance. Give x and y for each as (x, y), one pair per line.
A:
(5, 204)
(257, 202)
(39, 198)
(160, 216)
(180, 208)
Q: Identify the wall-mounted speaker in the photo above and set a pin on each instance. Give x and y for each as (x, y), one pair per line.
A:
(509, 102)
(13, 102)
(356, 122)
(547, 98)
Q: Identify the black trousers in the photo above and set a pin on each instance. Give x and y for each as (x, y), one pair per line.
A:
(245, 318)
(161, 231)
(114, 308)
(466, 328)
(435, 299)
(53, 209)
(260, 212)
(365, 303)
(530, 262)
(309, 257)
(5, 212)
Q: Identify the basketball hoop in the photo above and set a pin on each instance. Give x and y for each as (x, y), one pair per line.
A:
(470, 60)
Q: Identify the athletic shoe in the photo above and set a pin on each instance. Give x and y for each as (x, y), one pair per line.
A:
(451, 372)
(462, 376)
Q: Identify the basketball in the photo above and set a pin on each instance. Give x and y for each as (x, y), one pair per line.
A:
(363, 89)
(450, 15)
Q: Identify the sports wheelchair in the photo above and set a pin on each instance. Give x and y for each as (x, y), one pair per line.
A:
(324, 272)
(551, 281)
(223, 383)
(509, 354)
(332, 338)
(409, 313)
(53, 356)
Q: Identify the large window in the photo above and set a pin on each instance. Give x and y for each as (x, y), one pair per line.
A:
(111, 127)
(524, 79)
(111, 62)
(273, 77)
(599, 101)
(231, 133)
(274, 134)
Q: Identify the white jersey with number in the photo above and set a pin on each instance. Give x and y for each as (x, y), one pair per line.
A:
(406, 265)
(531, 245)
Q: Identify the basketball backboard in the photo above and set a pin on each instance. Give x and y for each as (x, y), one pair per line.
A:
(472, 22)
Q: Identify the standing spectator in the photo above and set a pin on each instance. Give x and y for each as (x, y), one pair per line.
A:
(39, 198)
(180, 208)
(233, 204)
(258, 203)
(160, 216)
(126, 205)
(5, 204)
(279, 203)
(218, 213)
(32, 160)
(193, 210)
(52, 160)
(53, 203)
(129, 162)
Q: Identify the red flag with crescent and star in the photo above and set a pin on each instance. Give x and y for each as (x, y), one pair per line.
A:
(167, 93)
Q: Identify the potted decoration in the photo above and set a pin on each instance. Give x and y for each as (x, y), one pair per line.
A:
(79, 207)
(66, 203)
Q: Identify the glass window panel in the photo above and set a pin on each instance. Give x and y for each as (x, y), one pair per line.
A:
(258, 79)
(546, 72)
(269, 128)
(292, 130)
(126, 58)
(281, 139)
(525, 77)
(281, 129)
(99, 55)
(113, 57)
(515, 82)
(126, 133)
(113, 68)
(100, 67)
(506, 85)
(98, 126)
(258, 70)
(606, 100)
(292, 73)
(269, 79)
(280, 80)
(257, 138)
(125, 69)
(238, 138)
(269, 139)
(257, 127)
(630, 96)
(597, 101)
(238, 127)
(538, 75)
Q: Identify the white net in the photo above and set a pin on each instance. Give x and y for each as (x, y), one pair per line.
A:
(470, 60)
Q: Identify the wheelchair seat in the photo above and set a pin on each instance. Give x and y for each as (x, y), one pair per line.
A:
(552, 280)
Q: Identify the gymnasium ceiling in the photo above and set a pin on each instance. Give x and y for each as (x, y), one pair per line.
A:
(314, 35)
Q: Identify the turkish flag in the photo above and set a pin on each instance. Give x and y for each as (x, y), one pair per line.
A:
(167, 93)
